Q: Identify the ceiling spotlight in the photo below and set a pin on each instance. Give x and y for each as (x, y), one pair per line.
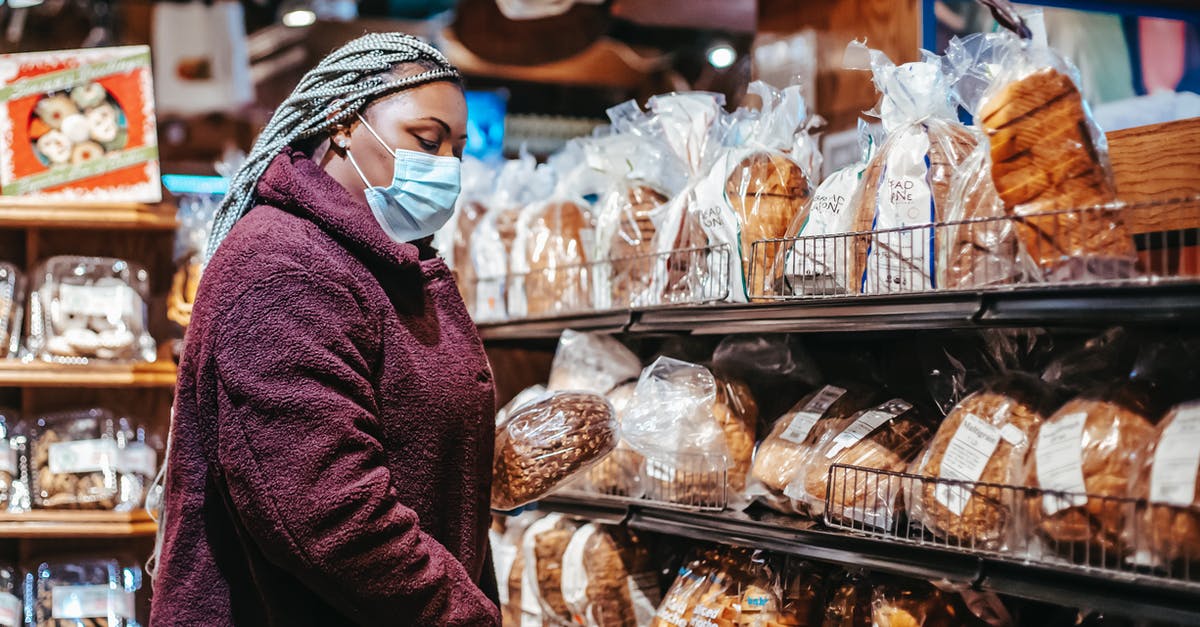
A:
(23, 4)
(721, 55)
(301, 13)
(299, 17)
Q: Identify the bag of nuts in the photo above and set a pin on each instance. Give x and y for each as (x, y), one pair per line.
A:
(75, 458)
(83, 593)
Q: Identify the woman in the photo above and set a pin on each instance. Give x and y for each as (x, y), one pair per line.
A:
(332, 437)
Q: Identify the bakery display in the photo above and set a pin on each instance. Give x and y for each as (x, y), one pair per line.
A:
(591, 362)
(89, 308)
(86, 592)
(608, 578)
(548, 441)
(984, 438)
(12, 296)
(1170, 480)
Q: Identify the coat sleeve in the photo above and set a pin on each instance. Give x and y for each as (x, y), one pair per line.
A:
(304, 470)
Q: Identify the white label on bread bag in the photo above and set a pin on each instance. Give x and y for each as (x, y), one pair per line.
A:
(1177, 458)
(901, 261)
(101, 601)
(973, 444)
(869, 421)
(138, 458)
(574, 576)
(814, 265)
(83, 456)
(1059, 456)
(504, 555)
(804, 420)
(11, 613)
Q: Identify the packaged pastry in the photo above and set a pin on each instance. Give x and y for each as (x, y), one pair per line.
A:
(913, 603)
(883, 438)
(591, 362)
(1086, 451)
(907, 184)
(742, 591)
(75, 461)
(1170, 526)
(543, 548)
(1048, 156)
(850, 602)
(620, 472)
(780, 457)
(803, 595)
(695, 431)
(12, 296)
(469, 209)
(87, 592)
(547, 442)
(85, 308)
(681, 598)
(608, 578)
(984, 438)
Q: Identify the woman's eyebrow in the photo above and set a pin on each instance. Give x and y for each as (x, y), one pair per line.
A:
(445, 127)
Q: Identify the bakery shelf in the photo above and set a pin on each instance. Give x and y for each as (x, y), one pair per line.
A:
(76, 524)
(114, 216)
(15, 373)
(549, 328)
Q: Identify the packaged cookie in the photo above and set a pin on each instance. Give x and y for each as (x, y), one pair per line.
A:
(548, 442)
(608, 578)
(87, 592)
(89, 308)
(12, 296)
(781, 456)
(543, 548)
(75, 461)
(883, 438)
(983, 439)
(591, 362)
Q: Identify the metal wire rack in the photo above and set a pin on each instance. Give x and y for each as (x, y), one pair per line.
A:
(1086, 246)
(686, 276)
(690, 481)
(1113, 535)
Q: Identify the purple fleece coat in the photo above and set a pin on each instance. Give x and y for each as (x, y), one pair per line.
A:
(331, 460)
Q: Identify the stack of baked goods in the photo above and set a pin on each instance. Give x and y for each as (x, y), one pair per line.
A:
(608, 578)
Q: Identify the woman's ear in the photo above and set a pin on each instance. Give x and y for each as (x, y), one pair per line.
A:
(340, 140)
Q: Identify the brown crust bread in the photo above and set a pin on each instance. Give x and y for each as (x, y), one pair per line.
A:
(768, 191)
(633, 243)
(467, 218)
(548, 549)
(1172, 533)
(557, 282)
(531, 460)
(687, 265)
(613, 558)
(511, 612)
(619, 473)
(862, 206)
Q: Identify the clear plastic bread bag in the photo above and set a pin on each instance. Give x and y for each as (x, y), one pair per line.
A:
(12, 309)
(85, 592)
(680, 599)
(906, 186)
(1049, 158)
(872, 447)
(524, 397)
(547, 442)
(591, 362)
(506, 544)
(781, 457)
(542, 549)
(609, 578)
(1167, 529)
(551, 254)
(744, 590)
(75, 461)
(454, 239)
(756, 186)
(620, 472)
(89, 308)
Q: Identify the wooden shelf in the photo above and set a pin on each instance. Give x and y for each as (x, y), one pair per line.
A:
(117, 216)
(76, 524)
(39, 374)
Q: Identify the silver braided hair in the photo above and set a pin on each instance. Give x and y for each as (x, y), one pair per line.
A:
(329, 94)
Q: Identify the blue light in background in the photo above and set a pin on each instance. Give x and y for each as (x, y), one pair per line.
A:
(485, 124)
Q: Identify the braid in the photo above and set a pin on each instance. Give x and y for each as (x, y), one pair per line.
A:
(332, 92)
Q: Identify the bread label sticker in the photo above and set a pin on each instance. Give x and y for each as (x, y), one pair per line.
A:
(99, 601)
(967, 455)
(83, 456)
(804, 420)
(869, 421)
(1059, 456)
(1177, 458)
(138, 458)
(902, 260)
(10, 610)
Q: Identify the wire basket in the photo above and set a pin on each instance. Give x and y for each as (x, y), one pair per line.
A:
(1087, 246)
(686, 276)
(1122, 536)
(692, 482)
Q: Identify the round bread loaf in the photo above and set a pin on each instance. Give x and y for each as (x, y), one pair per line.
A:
(767, 190)
(1172, 531)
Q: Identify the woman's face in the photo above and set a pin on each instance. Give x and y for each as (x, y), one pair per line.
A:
(431, 119)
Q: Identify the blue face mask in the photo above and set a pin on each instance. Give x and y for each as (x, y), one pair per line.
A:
(420, 199)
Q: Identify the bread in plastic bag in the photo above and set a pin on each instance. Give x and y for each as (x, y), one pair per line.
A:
(850, 602)
(782, 455)
(742, 590)
(591, 362)
(89, 308)
(87, 592)
(469, 209)
(803, 597)
(913, 603)
(608, 578)
(680, 599)
(75, 461)
(543, 547)
(12, 297)
(524, 397)
(1170, 480)
(1088, 449)
(620, 472)
(507, 542)
(883, 438)
(548, 442)
(983, 439)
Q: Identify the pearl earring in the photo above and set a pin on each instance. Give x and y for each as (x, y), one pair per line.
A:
(341, 142)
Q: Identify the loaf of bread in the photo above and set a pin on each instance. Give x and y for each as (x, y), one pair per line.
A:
(547, 442)
(780, 457)
(465, 220)
(1044, 159)
(767, 191)
(591, 362)
(980, 247)
(1089, 446)
(680, 600)
(608, 578)
(983, 439)
(1170, 480)
(619, 473)
(556, 251)
(884, 438)
(632, 248)
(687, 272)
(862, 208)
(511, 612)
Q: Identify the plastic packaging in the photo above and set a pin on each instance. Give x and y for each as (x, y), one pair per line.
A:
(140, 447)
(12, 610)
(620, 472)
(524, 397)
(12, 297)
(850, 602)
(680, 600)
(912, 603)
(9, 467)
(543, 548)
(985, 438)
(84, 308)
(75, 460)
(907, 184)
(547, 442)
(87, 592)
(744, 590)
(886, 438)
(1170, 479)
(507, 539)
(803, 594)
(591, 362)
(781, 456)
(469, 209)
(608, 578)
